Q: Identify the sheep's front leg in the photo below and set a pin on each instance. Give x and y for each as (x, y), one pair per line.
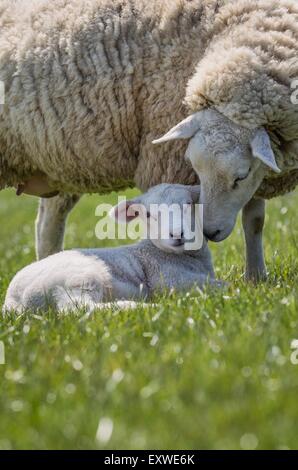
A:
(50, 223)
(253, 217)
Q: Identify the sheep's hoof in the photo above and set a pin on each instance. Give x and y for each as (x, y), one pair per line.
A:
(256, 276)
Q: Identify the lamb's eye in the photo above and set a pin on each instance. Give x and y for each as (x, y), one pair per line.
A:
(148, 215)
(239, 179)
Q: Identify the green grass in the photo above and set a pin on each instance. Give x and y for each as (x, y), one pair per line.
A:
(210, 372)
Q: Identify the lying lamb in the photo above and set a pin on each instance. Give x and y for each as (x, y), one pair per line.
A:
(93, 276)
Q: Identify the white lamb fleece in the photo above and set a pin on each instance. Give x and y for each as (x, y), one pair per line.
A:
(94, 277)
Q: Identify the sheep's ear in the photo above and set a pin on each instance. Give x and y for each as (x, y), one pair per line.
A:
(126, 211)
(184, 130)
(261, 148)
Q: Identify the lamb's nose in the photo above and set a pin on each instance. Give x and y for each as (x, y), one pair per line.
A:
(177, 236)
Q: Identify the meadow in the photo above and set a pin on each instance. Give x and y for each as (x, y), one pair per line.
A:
(210, 370)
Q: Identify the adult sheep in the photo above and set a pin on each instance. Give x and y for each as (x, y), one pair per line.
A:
(244, 129)
(89, 84)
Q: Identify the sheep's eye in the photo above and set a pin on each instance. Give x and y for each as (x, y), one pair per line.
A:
(239, 179)
(148, 215)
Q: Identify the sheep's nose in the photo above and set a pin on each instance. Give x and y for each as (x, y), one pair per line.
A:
(212, 235)
(177, 236)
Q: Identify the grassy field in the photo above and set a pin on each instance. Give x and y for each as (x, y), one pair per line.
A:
(214, 371)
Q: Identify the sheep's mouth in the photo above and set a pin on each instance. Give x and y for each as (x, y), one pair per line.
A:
(177, 246)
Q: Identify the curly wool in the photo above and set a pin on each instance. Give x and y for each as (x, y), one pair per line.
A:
(246, 74)
(89, 85)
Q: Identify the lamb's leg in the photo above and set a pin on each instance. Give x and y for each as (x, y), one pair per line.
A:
(253, 216)
(50, 223)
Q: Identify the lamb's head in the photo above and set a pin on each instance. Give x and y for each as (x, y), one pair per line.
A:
(231, 162)
(171, 215)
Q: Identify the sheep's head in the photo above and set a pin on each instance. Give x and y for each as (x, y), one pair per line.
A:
(171, 215)
(231, 162)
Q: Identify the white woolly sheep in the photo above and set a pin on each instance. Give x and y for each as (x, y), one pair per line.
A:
(244, 126)
(92, 277)
(90, 83)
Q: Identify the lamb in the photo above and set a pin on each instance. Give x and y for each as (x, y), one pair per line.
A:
(94, 277)
(90, 83)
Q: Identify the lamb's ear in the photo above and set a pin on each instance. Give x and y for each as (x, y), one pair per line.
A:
(126, 211)
(261, 148)
(184, 130)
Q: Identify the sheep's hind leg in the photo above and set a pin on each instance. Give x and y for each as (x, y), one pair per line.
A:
(50, 223)
(253, 217)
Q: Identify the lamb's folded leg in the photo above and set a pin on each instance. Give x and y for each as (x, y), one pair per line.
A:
(50, 223)
(253, 217)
